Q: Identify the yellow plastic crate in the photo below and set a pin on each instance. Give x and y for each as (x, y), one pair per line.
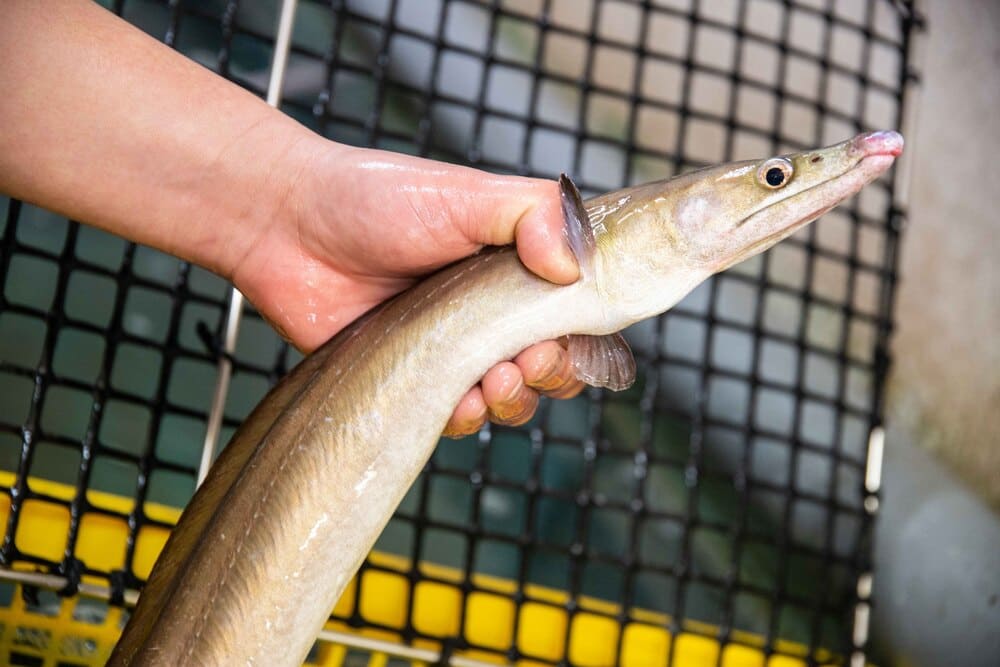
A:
(69, 632)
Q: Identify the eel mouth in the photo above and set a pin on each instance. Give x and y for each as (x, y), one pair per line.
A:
(886, 142)
(877, 152)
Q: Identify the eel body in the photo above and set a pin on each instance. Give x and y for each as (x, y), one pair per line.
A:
(296, 500)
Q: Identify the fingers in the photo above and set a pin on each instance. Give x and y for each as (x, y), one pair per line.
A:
(547, 368)
(527, 212)
(509, 401)
(469, 416)
(541, 242)
(509, 392)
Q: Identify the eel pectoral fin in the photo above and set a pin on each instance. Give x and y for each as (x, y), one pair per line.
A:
(602, 361)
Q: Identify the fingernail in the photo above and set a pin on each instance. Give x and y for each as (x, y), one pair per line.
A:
(459, 431)
(569, 389)
(466, 426)
(553, 376)
(565, 260)
(513, 413)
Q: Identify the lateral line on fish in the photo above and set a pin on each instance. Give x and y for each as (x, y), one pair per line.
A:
(289, 454)
(659, 241)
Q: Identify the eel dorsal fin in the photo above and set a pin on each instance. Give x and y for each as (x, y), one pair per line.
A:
(602, 361)
(579, 233)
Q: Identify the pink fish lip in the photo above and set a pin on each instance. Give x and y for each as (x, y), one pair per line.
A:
(886, 142)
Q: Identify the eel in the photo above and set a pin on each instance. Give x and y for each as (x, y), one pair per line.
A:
(296, 500)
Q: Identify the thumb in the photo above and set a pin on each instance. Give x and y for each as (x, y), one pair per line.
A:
(529, 214)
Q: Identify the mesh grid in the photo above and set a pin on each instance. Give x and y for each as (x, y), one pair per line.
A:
(725, 489)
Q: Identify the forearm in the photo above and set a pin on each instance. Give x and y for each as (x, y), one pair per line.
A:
(104, 124)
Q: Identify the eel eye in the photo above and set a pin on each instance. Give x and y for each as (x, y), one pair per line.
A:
(775, 173)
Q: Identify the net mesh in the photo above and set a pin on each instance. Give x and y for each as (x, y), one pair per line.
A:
(725, 490)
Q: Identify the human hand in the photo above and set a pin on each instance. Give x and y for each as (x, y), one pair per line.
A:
(314, 233)
(358, 226)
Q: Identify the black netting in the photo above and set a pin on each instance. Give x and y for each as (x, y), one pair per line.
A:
(724, 491)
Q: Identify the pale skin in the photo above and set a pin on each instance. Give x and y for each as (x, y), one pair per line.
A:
(105, 125)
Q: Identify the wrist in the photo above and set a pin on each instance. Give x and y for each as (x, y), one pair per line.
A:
(251, 195)
(264, 245)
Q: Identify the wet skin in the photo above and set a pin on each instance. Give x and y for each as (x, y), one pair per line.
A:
(166, 153)
(298, 497)
(361, 226)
